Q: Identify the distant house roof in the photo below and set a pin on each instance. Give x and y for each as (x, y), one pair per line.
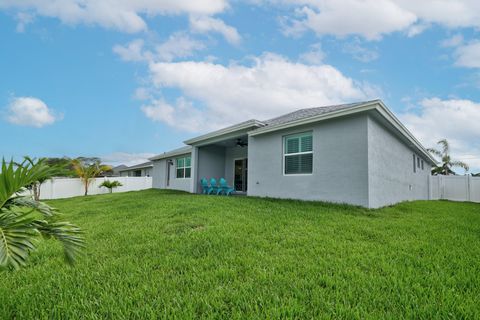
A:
(148, 164)
(173, 153)
(120, 167)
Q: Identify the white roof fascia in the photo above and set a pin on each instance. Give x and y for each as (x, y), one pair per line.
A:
(217, 135)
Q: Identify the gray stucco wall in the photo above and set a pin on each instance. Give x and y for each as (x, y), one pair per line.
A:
(231, 154)
(159, 173)
(390, 168)
(339, 163)
(211, 163)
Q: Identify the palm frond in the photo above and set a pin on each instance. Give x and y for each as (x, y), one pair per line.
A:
(23, 219)
(14, 178)
(69, 235)
(18, 238)
(28, 202)
(434, 152)
(445, 146)
(460, 164)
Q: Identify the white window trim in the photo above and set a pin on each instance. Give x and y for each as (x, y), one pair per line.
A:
(184, 167)
(284, 139)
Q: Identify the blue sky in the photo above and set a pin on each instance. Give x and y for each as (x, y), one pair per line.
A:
(124, 79)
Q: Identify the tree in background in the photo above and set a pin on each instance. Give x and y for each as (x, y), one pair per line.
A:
(446, 162)
(24, 221)
(49, 170)
(89, 168)
(110, 185)
(65, 163)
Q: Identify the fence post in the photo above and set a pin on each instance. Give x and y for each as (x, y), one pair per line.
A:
(441, 186)
(469, 188)
(429, 187)
(52, 188)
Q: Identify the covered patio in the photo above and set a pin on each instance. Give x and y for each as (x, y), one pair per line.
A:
(223, 154)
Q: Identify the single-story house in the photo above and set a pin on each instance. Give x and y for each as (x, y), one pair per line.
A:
(357, 153)
(115, 172)
(138, 170)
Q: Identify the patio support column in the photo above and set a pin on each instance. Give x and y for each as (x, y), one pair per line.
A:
(194, 180)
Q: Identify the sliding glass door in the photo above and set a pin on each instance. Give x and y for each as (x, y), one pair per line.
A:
(240, 175)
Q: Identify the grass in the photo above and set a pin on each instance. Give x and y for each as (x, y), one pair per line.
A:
(157, 254)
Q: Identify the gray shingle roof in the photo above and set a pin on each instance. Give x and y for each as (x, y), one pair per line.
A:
(179, 151)
(310, 112)
(138, 166)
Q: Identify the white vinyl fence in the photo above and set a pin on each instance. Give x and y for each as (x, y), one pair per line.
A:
(456, 188)
(59, 188)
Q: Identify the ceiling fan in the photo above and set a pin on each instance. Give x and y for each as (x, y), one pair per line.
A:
(241, 143)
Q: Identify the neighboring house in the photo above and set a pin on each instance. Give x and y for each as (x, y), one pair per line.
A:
(116, 170)
(355, 153)
(139, 170)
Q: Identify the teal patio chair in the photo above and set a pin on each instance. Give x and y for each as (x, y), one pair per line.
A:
(206, 189)
(225, 188)
(214, 187)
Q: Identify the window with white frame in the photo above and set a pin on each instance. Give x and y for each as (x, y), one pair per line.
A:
(184, 167)
(298, 153)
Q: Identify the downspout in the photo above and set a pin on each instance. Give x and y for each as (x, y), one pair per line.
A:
(169, 163)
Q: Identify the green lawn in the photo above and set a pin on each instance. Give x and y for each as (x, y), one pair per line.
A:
(158, 254)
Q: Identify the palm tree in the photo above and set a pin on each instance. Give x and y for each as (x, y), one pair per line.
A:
(110, 184)
(49, 171)
(447, 163)
(87, 170)
(24, 221)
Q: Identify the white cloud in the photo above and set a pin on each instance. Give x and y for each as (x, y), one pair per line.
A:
(128, 159)
(416, 29)
(23, 19)
(178, 45)
(468, 55)
(456, 120)
(29, 111)
(183, 115)
(205, 24)
(314, 56)
(453, 41)
(133, 51)
(359, 52)
(215, 95)
(142, 93)
(368, 18)
(123, 15)
(372, 19)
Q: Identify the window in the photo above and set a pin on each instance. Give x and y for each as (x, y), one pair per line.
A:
(414, 165)
(137, 173)
(298, 154)
(184, 167)
(418, 162)
(422, 164)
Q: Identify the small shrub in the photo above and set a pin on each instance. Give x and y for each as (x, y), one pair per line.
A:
(110, 185)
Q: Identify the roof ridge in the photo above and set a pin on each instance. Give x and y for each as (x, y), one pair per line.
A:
(312, 111)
